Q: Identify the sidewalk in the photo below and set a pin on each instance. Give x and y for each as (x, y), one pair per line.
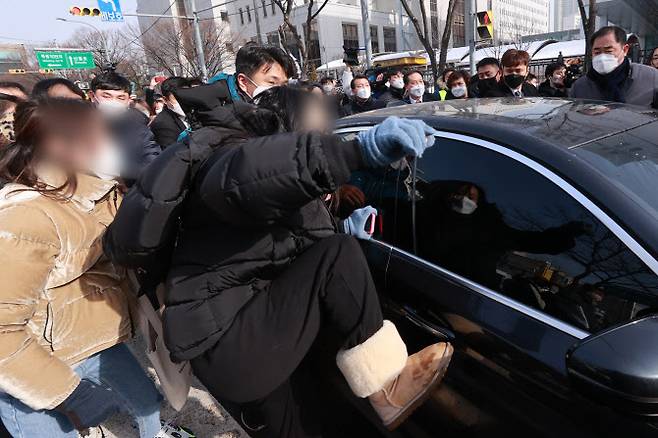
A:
(202, 414)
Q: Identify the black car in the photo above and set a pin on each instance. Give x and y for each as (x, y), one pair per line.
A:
(528, 237)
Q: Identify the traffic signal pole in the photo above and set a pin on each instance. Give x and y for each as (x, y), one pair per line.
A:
(471, 9)
(365, 19)
(201, 56)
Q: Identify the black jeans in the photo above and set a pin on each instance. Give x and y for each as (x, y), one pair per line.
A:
(328, 285)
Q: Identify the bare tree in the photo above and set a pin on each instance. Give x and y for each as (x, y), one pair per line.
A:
(588, 19)
(169, 47)
(313, 9)
(447, 33)
(121, 54)
(424, 35)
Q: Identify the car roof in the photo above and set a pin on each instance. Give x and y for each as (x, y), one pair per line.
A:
(551, 131)
(565, 123)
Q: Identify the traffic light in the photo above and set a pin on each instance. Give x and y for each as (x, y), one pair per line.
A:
(46, 70)
(78, 11)
(16, 71)
(485, 25)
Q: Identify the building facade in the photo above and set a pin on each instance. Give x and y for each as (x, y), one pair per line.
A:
(340, 25)
(514, 19)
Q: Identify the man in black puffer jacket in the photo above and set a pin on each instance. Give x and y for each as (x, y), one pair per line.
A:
(258, 267)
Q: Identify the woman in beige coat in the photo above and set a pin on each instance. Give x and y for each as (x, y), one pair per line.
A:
(64, 308)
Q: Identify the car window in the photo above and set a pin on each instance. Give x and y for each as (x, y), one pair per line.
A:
(499, 223)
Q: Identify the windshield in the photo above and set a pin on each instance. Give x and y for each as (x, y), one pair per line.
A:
(630, 159)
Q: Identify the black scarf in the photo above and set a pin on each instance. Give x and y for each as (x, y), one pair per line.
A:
(611, 85)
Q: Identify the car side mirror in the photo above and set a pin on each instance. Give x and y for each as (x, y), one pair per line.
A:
(619, 367)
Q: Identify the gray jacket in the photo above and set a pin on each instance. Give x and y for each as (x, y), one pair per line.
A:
(640, 88)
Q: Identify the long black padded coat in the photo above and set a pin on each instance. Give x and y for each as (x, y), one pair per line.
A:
(253, 206)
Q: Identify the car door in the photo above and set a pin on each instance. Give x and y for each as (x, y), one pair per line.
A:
(514, 283)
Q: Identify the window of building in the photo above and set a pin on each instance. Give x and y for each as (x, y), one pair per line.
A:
(248, 13)
(264, 8)
(374, 39)
(527, 239)
(350, 35)
(241, 17)
(390, 44)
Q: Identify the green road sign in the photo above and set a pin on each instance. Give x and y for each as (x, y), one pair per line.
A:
(61, 60)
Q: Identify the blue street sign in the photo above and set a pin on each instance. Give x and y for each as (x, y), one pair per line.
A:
(110, 10)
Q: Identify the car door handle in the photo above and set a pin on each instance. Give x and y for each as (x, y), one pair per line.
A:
(439, 332)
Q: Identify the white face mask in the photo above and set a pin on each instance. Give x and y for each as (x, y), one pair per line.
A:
(458, 91)
(397, 83)
(177, 109)
(605, 63)
(111, 107)
(108, 163)
(327, 89)
(363, 93)
(417, 91)
(468, 206)
(259, 88)
(158, 110)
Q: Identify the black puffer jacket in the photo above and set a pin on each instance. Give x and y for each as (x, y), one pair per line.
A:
(253, 206)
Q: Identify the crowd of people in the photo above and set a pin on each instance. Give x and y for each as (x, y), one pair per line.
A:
(235, 196)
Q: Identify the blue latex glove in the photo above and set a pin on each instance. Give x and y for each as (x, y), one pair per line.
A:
(394, 139)
(89, 405)
(355, 225)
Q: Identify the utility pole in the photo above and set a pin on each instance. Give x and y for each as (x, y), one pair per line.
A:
(201, 57)
(259, 35)
(366, 32)
(469, 28)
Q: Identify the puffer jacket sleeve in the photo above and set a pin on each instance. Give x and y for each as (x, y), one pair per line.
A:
(29, 245)
(267, 178)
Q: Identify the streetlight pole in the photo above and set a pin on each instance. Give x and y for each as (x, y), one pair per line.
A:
(365, 20)
(106, 54)
(201, 57)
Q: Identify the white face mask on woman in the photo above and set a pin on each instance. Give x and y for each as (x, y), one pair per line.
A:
(458, 91)
(397, 83)
(108, 163)
(605, 63)
(467, 206)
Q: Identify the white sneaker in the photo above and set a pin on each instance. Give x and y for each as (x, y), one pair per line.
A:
(170, 430)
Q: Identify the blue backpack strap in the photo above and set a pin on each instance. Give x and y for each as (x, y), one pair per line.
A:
(183, 135)
(231, 82)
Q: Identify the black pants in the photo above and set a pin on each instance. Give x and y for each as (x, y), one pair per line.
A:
(329, 285)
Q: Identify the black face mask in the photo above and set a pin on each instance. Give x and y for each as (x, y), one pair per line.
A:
(486, 84)
(514, 80)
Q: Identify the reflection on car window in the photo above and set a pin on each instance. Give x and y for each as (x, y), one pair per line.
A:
(497, 222)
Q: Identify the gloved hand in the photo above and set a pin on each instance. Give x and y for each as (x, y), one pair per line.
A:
(394, 139)
(355, 225)
(88, 405)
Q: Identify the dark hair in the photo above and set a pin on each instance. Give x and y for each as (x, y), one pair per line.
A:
(7, 101)
(253, 56)
(308, 85)
(110, 81)
(620, 34)
(173, 83)
(391, 72)
(10, 84)
(41, 88)
(326, 80)
(288, 104)
(514, 57)
(445, 72)
(650, 55)
(409, 73)
(552, 68)
(357, 77)
(487, 61)
(459, 74)
(33, 122)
